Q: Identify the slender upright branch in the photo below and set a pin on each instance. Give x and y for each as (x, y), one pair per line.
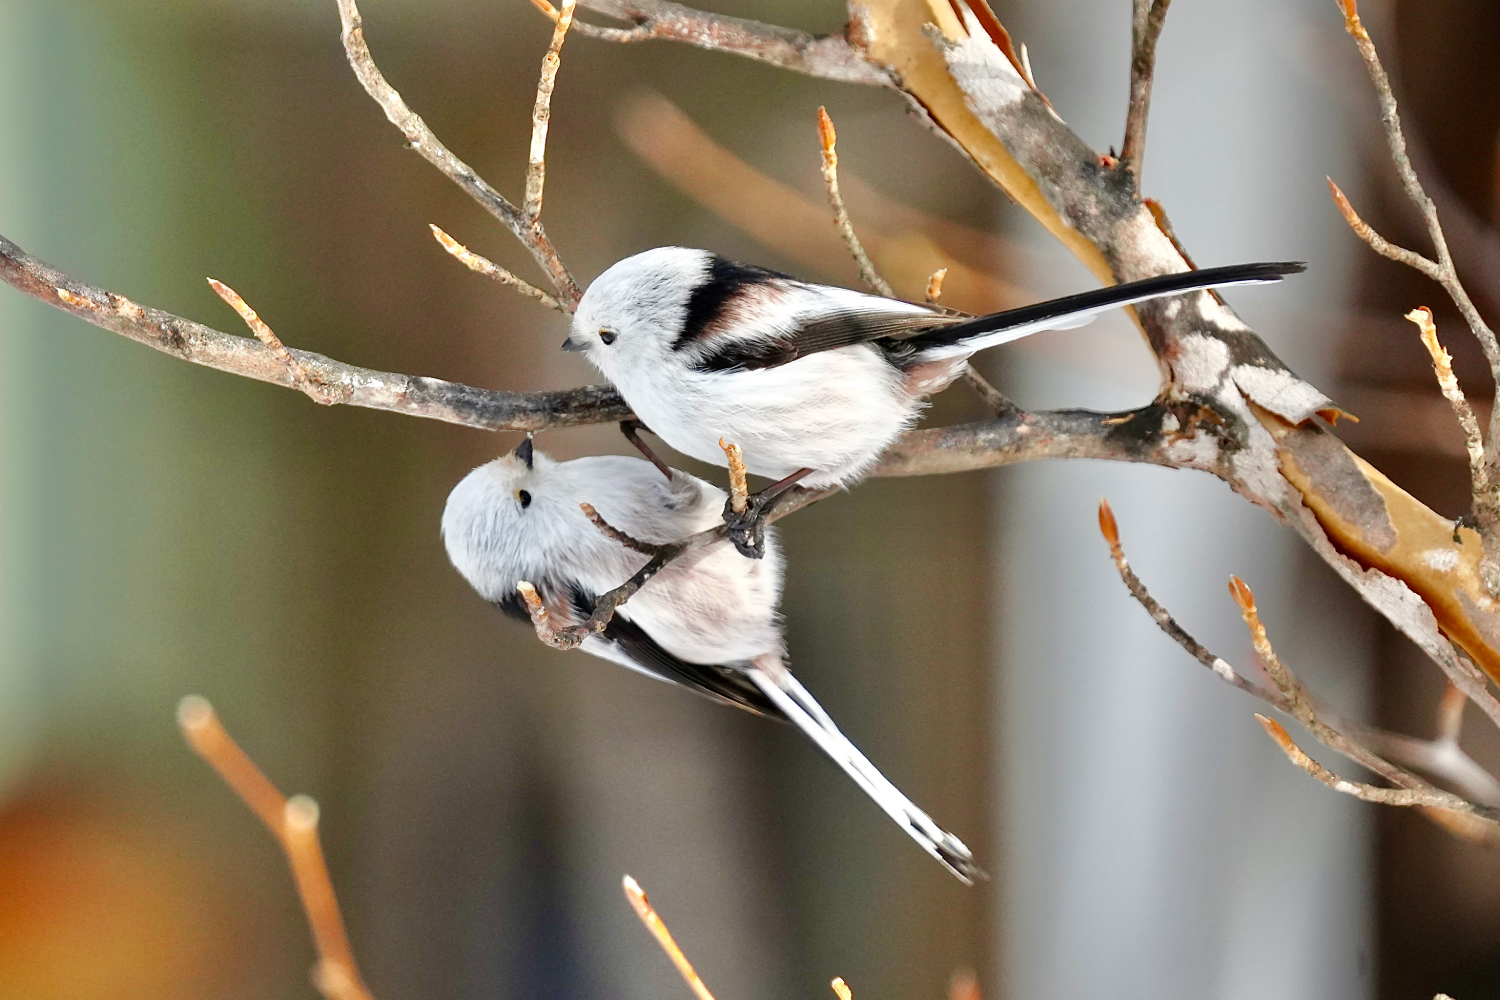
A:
(1147, 19)
(658, 929)
(935, 286)
(1442, 367)
(541, 114)
(294, 824)
(829, 138)
(739, 486)
(526, 229)
(1447, 274)
(488, 268)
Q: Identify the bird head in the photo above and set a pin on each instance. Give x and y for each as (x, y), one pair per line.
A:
(638, 307)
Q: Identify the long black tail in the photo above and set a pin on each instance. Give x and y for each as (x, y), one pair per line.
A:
(1076, 310)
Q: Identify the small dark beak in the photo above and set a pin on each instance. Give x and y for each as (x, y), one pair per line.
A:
(524, 450)
(574, 345)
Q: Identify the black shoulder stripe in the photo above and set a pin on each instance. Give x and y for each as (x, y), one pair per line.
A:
(826, 333)
(725, 280)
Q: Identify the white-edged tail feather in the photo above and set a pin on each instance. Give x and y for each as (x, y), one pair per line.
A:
(1071, 311)
(794, 701)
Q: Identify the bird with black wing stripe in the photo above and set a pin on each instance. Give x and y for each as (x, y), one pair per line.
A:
(707, 620)
(812, 381)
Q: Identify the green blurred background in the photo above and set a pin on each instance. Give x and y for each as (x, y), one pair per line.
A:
(166, 529)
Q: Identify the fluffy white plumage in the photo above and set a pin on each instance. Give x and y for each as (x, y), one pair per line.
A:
(800, 375)
(708, 620)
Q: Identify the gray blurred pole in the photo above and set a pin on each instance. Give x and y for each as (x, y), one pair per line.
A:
(1155, 843)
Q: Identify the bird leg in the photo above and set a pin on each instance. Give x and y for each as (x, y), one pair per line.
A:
(631, 428)
(747, 528)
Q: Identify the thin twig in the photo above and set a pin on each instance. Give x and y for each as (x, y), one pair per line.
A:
(490, 269)
(1441, 757)
(530, 232)
(541, 114)
(615, 534)
(1289, 696)
(1147, 19)
(739, 486)
(994, 398)
(830, 57)
(829, 138)
(294, 824)
(301, 379)
(1487, 506)
(658, 929)
(1442, 366)
(1430, 797)
(1109, 528)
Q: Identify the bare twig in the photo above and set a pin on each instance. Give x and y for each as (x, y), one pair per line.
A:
(1110, 529)
(994, 398)
(828, 56)
(294, 824)
(935, 286)
(1147, 19)
(1289, 696)
(739, 487)
(301, 379)
(1442, 270)
(1431, 797)
(615, 534)
(658, 929)
(541, 114)
(1442, 366)
(526, 228)
(829, 138)
(490, 269)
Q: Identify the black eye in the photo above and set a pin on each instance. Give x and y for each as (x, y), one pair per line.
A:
(524, 497)
(608, 336)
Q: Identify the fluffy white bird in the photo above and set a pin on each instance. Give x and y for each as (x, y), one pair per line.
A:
(706, 621)
(807, 379)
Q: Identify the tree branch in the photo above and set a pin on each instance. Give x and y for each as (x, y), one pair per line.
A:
(828, 138)
(1486, 491)
(412, 395)
(294, 824)
(1291, 697)
(1147, 19)
(830, 57)
(527, 228)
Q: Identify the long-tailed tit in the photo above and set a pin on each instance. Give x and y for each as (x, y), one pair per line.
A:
(807, 379)
(706, 621)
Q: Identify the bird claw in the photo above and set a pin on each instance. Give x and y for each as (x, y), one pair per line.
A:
(747, 528)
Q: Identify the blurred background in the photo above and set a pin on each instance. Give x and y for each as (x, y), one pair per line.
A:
(166, 529)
